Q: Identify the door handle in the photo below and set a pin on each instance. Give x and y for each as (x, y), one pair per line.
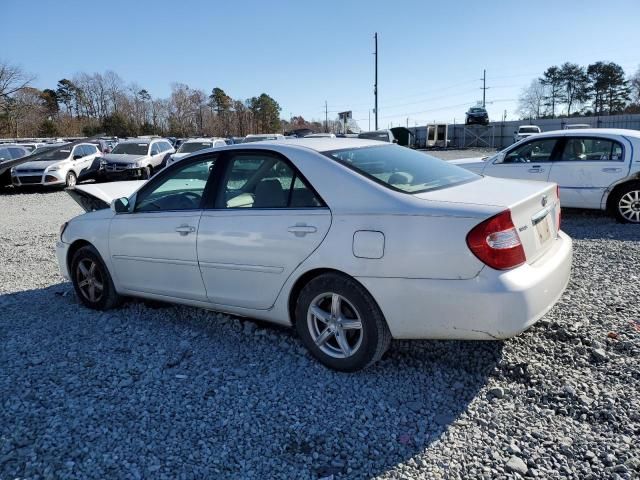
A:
(611, 170)
(185, 229)
(536, 169)
(301, 230)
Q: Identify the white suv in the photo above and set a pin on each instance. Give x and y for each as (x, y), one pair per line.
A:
(62, 166)
(525, 131)
(136, 158)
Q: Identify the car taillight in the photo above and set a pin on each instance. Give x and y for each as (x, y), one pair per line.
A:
(496, 242)
(558, 211)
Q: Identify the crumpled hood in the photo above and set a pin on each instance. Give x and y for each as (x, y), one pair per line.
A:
(37, 165)
(96, 196)
(122, 158)
(178, 156)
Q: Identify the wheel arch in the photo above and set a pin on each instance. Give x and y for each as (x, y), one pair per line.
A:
(73, 248)
(612, 191)
(305, 278)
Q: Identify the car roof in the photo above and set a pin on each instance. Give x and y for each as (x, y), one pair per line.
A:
(202, 139)
(592, 131)
(318, 144)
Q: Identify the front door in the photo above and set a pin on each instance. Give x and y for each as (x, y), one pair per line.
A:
(528, 161)
(587, 167)
(265, 222)
(153, 248)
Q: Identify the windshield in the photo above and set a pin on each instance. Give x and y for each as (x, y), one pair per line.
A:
(528, 129)
(5, 154)
(43, 149)
(402, 168)
(131, 149)
(193, 146)
(54, 155)
(477, 110)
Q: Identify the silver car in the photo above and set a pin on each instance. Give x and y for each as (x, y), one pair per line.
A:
(63, 166)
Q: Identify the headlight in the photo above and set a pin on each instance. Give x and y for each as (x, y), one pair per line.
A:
(133, 165)
(53, 169)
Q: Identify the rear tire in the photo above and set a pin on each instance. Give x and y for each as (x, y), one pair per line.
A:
(92, 281)
(340, 323)
(625, 203)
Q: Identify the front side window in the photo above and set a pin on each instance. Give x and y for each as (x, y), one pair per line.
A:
(403, 169)
(532, 152)
(155, 149)
(264, 181)
(181, 190)
(592, 149)
(131, 149)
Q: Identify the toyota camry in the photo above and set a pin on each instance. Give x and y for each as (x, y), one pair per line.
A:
(352, 242)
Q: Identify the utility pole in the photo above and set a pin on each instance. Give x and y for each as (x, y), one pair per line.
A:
(375, 85)
(369, 119)
(484, 87)
(326, 118)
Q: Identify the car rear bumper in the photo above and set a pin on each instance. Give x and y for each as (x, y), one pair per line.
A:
(494, 305)
(61, 254)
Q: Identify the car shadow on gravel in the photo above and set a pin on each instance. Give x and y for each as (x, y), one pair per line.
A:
(176, 391)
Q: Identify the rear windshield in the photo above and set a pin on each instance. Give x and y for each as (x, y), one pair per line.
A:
(131, 148)
(403, 169)
(193, 147)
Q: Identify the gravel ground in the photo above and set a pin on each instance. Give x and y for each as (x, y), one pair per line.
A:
(151, 391)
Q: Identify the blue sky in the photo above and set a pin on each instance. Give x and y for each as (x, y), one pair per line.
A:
(431, 53)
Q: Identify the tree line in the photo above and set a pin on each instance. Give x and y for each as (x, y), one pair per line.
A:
(102, 102)
(601, 88)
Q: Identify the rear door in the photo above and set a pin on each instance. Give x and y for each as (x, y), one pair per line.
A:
(528, 161)
(587, 166)
(266, 221)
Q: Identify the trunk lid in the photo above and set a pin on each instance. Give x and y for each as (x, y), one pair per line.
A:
(534, 207)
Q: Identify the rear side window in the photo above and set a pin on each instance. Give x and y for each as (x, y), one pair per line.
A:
(264, 181)
(403, 169)
(592, 149)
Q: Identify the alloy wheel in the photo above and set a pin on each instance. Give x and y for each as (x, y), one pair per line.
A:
(335, 325)
(90, 280)
(629, 206)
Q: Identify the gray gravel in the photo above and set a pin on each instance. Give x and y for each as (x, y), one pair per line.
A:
(151, 391)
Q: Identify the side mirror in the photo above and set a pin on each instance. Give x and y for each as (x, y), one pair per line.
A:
(76, 157)
(120, 205)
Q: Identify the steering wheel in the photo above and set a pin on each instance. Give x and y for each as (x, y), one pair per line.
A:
(193, 197)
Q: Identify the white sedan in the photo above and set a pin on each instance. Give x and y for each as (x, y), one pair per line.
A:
(354, 242)
(595, 168)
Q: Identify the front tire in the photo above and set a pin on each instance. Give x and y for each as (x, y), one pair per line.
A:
(71, 180)
(625, 204)
(146, 172)
(340, 323)
(92, 281)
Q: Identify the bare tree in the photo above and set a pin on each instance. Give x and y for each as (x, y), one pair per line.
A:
(532, 100)
(12, 79)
